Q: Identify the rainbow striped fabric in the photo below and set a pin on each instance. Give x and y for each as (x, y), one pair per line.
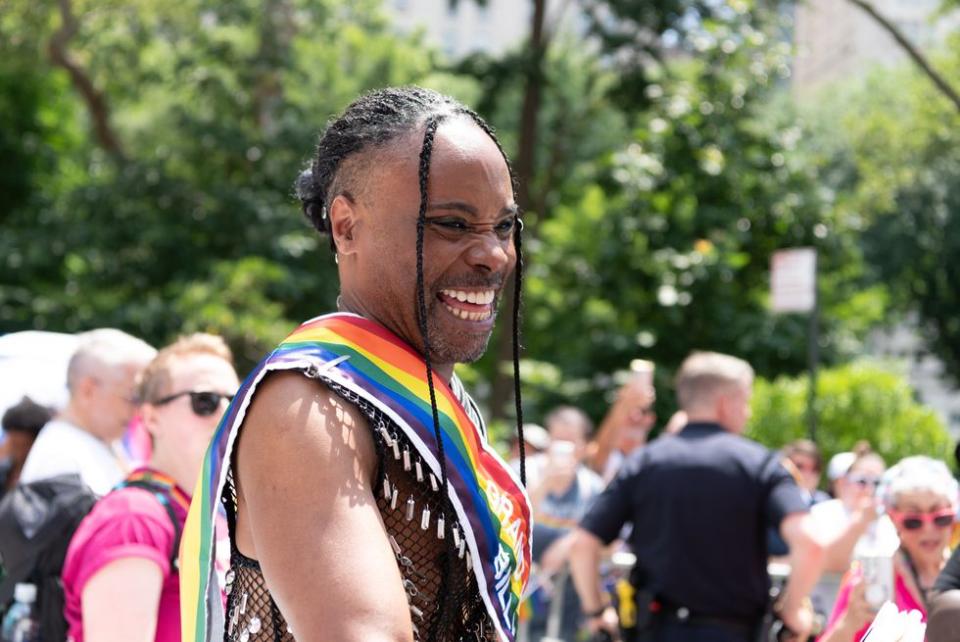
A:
(491, 505)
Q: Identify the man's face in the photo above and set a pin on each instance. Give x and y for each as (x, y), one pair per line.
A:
(570, 430)
(112, 402)
(175, 425)
(464, 271)
(809, 471)
(735, 407)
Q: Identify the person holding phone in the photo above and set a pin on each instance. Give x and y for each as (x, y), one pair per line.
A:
(627, 423)
(852, 523)
(920, 496)
(561, 488)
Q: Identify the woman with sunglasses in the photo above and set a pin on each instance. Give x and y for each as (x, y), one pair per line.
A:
(121, 576)
(920, 497)
(852, 522)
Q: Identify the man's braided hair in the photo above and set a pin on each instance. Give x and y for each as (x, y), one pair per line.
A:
(374, 121)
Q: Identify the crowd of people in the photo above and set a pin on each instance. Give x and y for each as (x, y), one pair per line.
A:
(701, 508)
(347, 490)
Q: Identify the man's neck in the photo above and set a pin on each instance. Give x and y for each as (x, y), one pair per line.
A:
(182, 472)
(703, 418)
(73, 416)
(346, 303)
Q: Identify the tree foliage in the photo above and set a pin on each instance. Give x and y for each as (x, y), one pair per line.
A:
(894, 147)
(664, 246)
(651, 219)
(216, 107)
(860, 400)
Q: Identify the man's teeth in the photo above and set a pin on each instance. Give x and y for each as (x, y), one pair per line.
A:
(480, 298)
(484, 297)
(468, 316)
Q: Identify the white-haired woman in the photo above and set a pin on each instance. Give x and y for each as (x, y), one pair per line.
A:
(920, 496)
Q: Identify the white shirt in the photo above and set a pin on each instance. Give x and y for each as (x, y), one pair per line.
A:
(62, 448)
(832, 517)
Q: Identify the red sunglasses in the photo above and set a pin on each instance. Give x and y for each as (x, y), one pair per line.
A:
(914, 521)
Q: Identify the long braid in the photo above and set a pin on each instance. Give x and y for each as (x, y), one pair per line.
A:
(340, 164)
(517, 283)
(424, 172)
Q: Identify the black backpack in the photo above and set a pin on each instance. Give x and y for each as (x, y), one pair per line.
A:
(37, 522)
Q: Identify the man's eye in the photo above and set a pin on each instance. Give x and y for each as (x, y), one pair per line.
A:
(452, 224)
(505, 227)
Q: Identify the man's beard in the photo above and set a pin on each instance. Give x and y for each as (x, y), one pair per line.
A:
(447, 347)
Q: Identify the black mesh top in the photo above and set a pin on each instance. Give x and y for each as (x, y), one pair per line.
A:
(442, 593)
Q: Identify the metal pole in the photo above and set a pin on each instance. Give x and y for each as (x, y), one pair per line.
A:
(813, 355)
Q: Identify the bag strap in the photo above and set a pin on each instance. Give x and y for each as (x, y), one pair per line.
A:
(162, 493)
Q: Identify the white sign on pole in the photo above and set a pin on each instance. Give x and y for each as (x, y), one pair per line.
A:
(793, 280)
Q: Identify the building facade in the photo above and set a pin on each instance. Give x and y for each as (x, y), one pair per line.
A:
(465, 27)
(836, 39)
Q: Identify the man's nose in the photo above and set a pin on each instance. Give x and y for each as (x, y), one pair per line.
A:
(487, 251)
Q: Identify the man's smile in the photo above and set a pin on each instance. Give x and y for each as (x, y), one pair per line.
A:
(471, 304)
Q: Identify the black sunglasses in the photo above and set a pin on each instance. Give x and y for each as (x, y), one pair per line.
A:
(203, 404)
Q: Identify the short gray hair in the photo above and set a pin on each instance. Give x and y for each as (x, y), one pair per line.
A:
(106, 349)
(703, 375)
(570, 415)
(918, 473)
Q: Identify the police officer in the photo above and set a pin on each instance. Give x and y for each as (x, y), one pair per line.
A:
(700, 503)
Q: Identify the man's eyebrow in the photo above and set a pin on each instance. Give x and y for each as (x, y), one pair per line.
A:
(509, 210)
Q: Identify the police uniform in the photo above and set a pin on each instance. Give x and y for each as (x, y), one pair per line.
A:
(700, 503)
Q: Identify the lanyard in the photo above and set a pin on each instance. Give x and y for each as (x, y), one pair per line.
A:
(916, 578)
(156, 478)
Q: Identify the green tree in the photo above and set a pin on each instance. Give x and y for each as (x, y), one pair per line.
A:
(630, 41)
(893, 153)
(664, 246)
(860, 400)
(164, 138)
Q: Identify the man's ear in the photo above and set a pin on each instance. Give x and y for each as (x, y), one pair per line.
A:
(148, 415)
(721, 407)
(86, 387)
(344, 224)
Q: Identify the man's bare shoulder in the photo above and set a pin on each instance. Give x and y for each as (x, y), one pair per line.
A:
(305, 469)
(287, 395)
(295, 420)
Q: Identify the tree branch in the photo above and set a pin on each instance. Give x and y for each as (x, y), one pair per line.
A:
(945, 88)
(97, 106)
(502, 389)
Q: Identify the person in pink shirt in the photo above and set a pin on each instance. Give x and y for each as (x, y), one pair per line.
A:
(119, 577)
(920, 495)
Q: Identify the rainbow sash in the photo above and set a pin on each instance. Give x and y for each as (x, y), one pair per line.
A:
(366, 358)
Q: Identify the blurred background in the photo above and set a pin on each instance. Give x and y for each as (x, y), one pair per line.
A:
(666, 149)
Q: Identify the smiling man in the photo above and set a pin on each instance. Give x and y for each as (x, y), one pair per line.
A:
(362, 498)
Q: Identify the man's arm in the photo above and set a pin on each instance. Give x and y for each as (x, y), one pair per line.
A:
(305, 466)
(625, 412)
(586, 549)
(120, 602)
(806, 564)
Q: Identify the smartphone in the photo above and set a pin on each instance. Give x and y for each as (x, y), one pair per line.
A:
(561, 451)
(877, 578)
(643, 370)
